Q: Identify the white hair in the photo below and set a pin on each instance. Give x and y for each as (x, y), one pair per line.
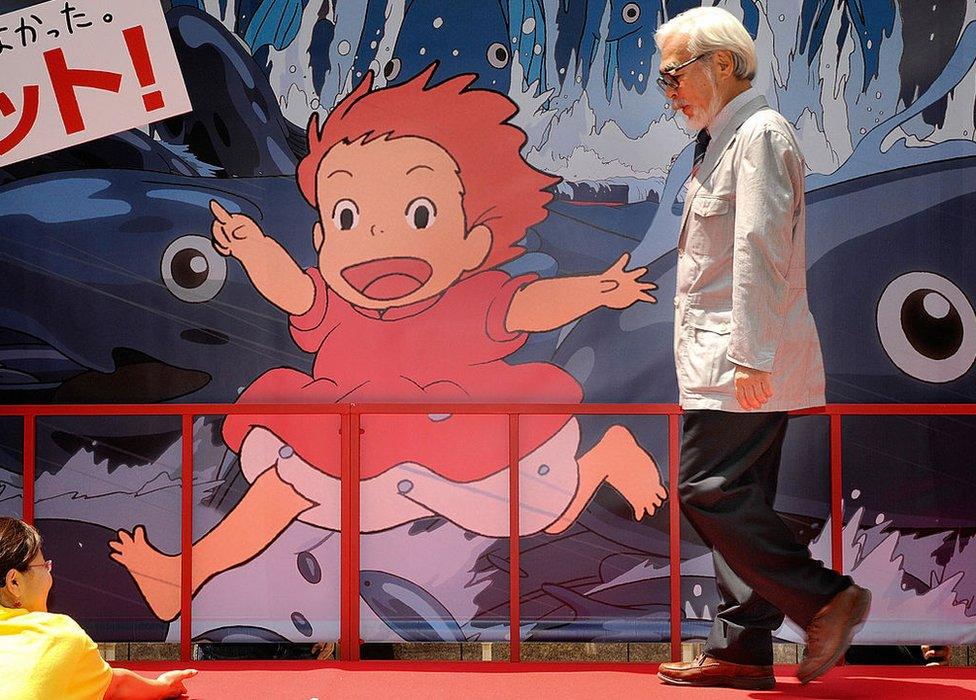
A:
(713, 29)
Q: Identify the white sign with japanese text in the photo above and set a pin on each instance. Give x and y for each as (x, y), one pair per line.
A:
(76, 70)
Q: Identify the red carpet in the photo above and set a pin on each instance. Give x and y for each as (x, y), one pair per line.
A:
(432, 681)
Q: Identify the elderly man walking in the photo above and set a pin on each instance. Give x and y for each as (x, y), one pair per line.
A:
(746, 352)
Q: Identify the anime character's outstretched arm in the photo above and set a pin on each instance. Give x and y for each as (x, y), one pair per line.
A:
(274, 273)
(548, 304)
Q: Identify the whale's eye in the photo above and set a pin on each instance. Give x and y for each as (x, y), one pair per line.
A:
(498, 55)
(928, 327)
(630, 12)
(192, 270)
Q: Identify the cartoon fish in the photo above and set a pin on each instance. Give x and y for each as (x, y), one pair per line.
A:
(577, 37)
(630, 39)
(244, 12)
(318, 50)
(366, 55)
(630, 43)
(407, 609)
(464, 37)
(275, 23)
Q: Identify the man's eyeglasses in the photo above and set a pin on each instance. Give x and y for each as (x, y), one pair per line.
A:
(670, 81)
(49, 564)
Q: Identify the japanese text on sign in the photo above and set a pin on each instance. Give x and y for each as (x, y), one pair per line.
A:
(76, 70)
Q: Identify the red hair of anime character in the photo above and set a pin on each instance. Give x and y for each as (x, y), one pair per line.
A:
(500, 190)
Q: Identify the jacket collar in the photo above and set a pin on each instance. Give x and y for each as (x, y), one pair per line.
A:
(721, 120)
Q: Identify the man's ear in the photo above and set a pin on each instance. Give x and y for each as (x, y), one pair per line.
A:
(318, 236)
(724, 62)
(477, 247)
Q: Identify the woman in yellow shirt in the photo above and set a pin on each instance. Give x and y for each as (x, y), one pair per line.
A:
(45, 656)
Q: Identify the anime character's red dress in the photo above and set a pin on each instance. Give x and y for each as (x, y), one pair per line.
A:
(450, 348)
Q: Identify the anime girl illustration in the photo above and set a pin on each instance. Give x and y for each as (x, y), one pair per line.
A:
(421, 193)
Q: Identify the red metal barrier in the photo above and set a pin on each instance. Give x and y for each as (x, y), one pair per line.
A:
(350, 421)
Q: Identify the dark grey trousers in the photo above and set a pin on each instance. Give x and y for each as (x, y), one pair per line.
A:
(727, 486)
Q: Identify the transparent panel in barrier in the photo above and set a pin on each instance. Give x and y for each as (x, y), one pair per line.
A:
(266, 520)
(593, 515)
(434, 528)
(802, 501)
(108, 506)
(11, 467)
(909, 521)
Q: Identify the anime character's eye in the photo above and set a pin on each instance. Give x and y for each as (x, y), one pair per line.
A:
(192, 270)
(421, 213)
(345, 214)
(928, 327)
(392, 69)
(630, 12)
(498, 55)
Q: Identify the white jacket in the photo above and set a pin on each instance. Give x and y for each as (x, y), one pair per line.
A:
(741, 288)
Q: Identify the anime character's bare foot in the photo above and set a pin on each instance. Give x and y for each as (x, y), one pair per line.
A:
(636, 476)
(622, 463)
(156, 574)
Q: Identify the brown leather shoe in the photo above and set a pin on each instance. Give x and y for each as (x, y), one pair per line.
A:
(705, 671)
(831, 631)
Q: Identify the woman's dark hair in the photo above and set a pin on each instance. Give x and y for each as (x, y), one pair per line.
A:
(19, 543)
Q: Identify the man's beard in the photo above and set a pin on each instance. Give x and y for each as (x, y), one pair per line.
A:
(702, 117)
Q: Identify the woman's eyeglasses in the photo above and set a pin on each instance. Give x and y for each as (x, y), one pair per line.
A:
(670, 81)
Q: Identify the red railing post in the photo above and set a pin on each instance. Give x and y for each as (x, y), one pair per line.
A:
(355, 435)
(30, 456)
(345, 539)
(514, 565)
(186, 539)
(674, 533)
(836, 495)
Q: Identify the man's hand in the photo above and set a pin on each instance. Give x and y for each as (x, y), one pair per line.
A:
(234, 234)
(619, 288)
(753, 387)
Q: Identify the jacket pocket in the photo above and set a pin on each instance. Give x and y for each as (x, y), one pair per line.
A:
(719, 322)
(706, 205)
(707, 367)
(711, 229)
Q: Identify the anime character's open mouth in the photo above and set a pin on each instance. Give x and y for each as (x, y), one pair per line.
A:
(388, 278)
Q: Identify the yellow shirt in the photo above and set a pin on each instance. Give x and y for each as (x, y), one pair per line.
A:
(44, 656)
